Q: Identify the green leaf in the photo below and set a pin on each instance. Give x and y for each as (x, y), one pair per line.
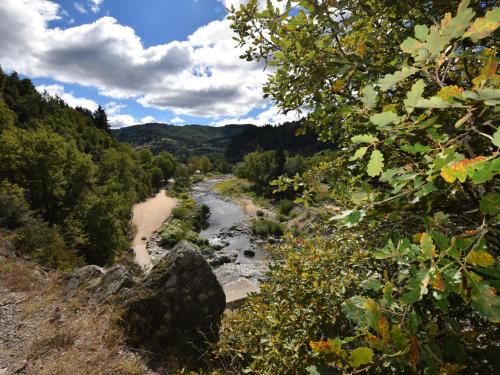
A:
(364, 138)
(421, 32)
(417, 148)
(486, 171)
(360, 356)
(496, 138)
(359, 153)
(376, 163)
(384, 118)
(371, 284)
(490, 203)
(390, 80)
(416, 287)
(369, 97)
(486, 302)
(414, 95)
(436, 102)
(313, 370)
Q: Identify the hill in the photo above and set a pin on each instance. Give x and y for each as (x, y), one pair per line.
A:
(181, 141)
(231, 141)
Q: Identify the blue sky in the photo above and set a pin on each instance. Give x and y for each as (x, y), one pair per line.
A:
(171, 61)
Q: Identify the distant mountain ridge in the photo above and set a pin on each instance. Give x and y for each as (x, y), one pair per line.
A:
(181, 141)
(231, 142)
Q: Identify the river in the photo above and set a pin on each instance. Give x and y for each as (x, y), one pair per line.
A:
(229, 232)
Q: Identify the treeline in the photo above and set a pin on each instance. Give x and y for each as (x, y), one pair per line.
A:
(66, 187)
(291, 137)
(263, 167)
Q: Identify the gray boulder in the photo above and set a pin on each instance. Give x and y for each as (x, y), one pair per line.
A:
(114, 280)
(84, 277)
(178, 305)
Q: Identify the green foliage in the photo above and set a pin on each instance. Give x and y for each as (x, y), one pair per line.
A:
(187, 220)
(418, 144)
(64, 178)
(265, 227)
(285, 206)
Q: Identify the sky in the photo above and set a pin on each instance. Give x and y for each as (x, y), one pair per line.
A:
(169, 61)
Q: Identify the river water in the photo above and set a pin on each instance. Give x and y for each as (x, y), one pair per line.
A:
(229, 229)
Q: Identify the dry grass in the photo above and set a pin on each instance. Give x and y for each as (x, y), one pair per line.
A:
(19, 276)
(78, 339)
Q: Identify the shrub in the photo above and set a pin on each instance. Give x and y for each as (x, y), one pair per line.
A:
(14, 209)
(285, 207)
(264, 227)
(308, 281)
(180, 213)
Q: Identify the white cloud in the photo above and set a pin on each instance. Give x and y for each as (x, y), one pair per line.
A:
(272, 116)
(113, 108)
(177, 120)
(80, 8)
(122, 120)
(69, 98)
(148, 120)
(95, 5)
(202, 76)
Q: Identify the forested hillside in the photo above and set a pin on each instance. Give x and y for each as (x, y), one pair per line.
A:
(181, 141)
(66, 187)
(290, 137)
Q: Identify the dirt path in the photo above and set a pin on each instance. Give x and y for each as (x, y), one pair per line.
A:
(147, 218)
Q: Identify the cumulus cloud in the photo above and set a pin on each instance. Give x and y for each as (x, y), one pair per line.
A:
(271, 116)
(148, 120)
(69, 98)
(177, 120)
(202, 76)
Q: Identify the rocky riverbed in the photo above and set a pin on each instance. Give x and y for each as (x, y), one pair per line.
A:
(237, 256)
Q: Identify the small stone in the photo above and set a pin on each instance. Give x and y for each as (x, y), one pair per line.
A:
(249, 253)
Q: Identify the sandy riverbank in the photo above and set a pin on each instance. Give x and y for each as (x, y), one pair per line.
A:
(147, 218)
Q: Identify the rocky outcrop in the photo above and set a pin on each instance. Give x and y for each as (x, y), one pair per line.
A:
(84, 277)
(116, 279)
(177, 306)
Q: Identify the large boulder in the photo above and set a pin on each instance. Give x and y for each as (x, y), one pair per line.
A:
(116, 279)
(84, 277)
(178, 306)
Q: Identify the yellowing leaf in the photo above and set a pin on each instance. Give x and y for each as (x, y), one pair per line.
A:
(360, 356)
(460, 169)
(480, 258)
(483, 27)
(450, 92)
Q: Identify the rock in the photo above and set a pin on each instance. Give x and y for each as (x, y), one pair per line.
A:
(219, 260)
(218, 243)
(85, 277)
(178, 305)
(115, 279)
(249, 253)
(271, 240)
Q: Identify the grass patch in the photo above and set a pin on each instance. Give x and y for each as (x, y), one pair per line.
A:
(186, 222)
(264, 227)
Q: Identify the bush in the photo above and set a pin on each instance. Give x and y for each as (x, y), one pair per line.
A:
(46, 245)
(14, 209)
(180, 213)
(308, 281)
(264, 227)
(285, 207)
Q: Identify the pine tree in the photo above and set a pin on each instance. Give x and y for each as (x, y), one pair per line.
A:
(101, 119)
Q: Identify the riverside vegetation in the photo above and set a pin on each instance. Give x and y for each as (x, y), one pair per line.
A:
(389, 256)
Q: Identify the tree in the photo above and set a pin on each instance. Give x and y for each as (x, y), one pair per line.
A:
(101, 119)
(53, 172)
(260, 168)
(409, 92)
(166, 163)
